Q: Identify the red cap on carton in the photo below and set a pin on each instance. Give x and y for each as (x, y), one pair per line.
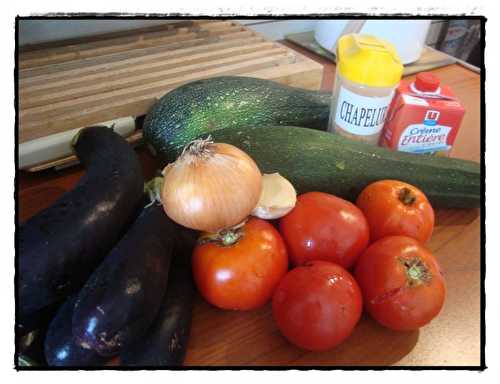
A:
(427, 82)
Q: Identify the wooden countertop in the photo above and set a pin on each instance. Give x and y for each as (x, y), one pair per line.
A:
(251, 338)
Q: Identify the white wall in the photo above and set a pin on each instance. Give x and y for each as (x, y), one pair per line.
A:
(277, 29)
(36, 31)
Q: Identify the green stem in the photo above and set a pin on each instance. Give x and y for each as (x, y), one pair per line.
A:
(153, 189)
(226, 237)
(230, 237)
(75, 138)
(416, 271)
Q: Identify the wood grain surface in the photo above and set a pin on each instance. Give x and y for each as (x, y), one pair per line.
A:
(84, 82)
(224, 338)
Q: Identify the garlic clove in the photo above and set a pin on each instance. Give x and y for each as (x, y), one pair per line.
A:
(278, 197)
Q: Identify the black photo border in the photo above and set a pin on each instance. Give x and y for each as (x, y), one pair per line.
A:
(177, 16)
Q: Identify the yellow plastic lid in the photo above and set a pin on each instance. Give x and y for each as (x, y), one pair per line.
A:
(368, 60)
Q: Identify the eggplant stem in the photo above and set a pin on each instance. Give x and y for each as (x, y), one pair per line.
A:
(153, 189)
(75, 138)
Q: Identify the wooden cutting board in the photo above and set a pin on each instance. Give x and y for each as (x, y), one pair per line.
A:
(77, 83)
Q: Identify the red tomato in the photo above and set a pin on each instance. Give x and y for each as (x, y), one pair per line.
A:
(317, 305)
(243, 275)
(324, 227)
(393, 207)
(403, 288)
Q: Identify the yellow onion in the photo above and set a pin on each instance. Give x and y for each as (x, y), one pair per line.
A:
(211, 186)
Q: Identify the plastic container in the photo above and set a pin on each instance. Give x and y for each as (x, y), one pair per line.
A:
(368, 71)
(409, 40)
(424, 117)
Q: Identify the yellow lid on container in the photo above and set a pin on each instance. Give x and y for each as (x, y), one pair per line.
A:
(368, 60)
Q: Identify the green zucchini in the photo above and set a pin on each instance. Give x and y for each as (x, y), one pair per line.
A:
(229, 102)
(320, 161)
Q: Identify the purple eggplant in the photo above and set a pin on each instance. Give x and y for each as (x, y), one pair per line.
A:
(60, 247)
(61, 349)
(166, 341)
(121, 298)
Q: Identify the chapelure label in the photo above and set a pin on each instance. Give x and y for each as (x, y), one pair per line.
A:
(361, 115)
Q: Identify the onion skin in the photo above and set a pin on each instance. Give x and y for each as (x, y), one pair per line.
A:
(211, 187)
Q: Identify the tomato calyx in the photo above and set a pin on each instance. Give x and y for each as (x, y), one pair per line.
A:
(416, 271)
(225, 237)
(407, 196)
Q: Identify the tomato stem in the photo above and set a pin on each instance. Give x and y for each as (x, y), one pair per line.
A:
(224, 238)
(416, 271)
(229, 237)
(406, 196)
